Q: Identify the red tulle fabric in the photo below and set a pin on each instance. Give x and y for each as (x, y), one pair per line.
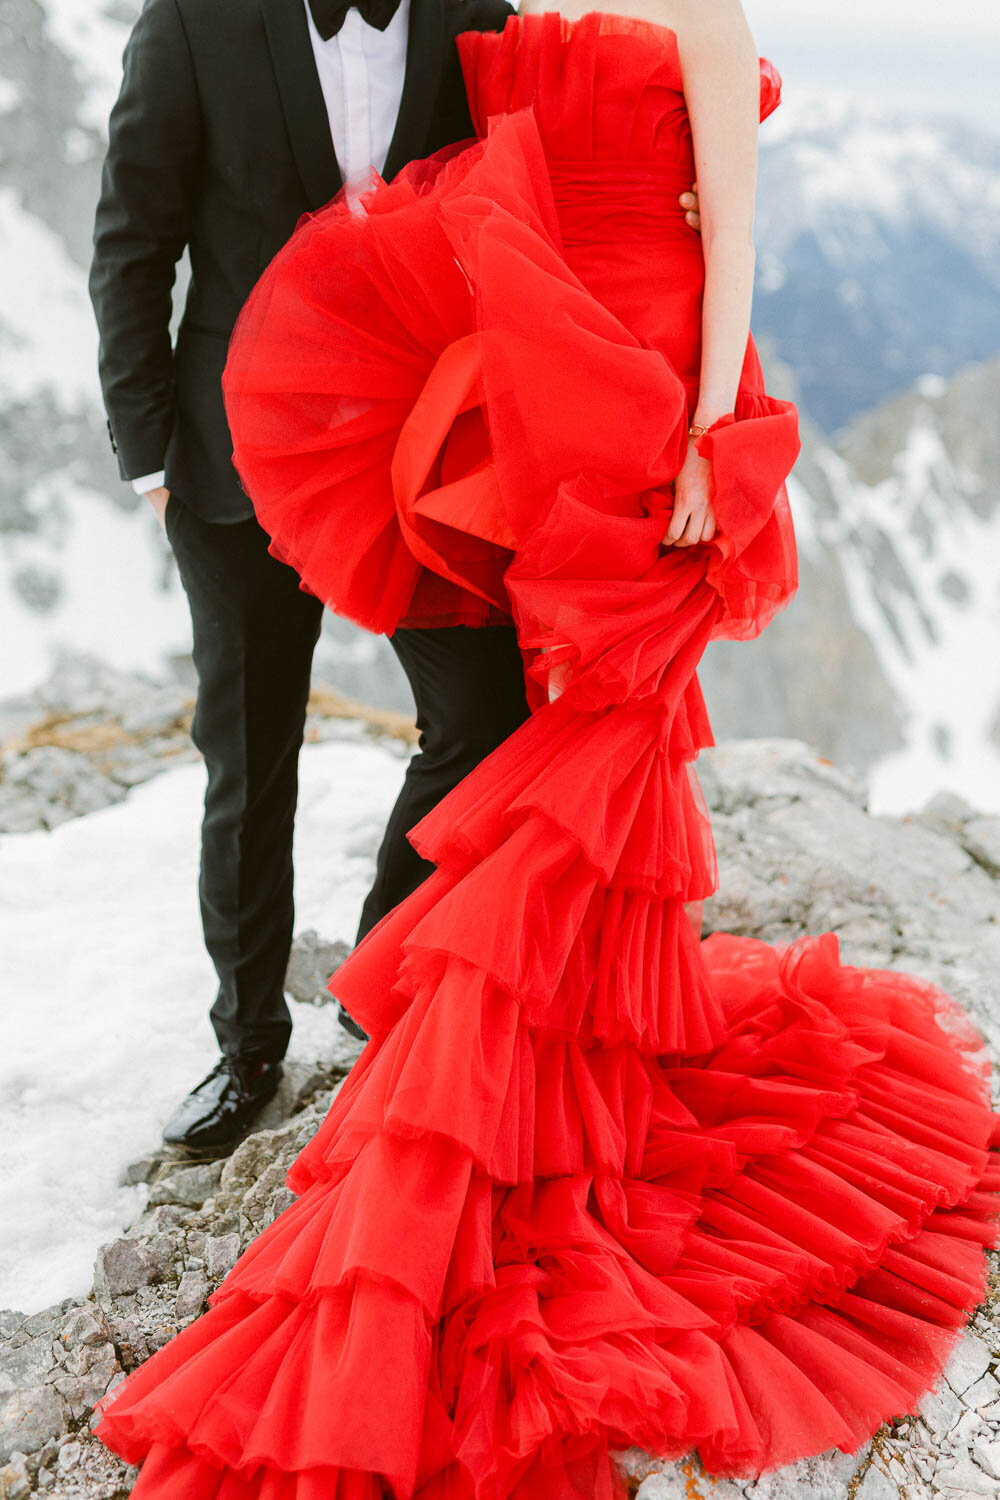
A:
(593, 1181)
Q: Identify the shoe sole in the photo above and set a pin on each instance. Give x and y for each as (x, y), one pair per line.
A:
(222, 1149)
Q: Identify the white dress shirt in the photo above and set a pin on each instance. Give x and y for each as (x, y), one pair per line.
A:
(361, 72)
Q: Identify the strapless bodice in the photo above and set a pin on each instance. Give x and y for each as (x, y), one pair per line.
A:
(604, 87)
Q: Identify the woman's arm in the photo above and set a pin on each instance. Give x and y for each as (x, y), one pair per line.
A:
(722, 89)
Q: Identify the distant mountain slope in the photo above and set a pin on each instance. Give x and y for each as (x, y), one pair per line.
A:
(886, 659)
(879, 249)
(918, 484)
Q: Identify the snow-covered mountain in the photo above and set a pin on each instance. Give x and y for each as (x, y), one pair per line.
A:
(83, 565)
(917, 528)
(897, 523)
(879, 249)
(886, 659)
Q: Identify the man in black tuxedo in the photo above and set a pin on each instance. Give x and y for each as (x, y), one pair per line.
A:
(236, 117)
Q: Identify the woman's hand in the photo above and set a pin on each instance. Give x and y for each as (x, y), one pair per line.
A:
(693, 519)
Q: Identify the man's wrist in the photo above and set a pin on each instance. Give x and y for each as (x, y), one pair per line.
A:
(149, 482)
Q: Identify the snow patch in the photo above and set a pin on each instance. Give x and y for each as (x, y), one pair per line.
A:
(107, 992)
(931, 387)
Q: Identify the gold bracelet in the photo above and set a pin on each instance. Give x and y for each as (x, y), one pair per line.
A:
(696, 430)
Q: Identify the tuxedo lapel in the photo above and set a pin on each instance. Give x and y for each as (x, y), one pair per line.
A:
(424, 63)
(302, 97)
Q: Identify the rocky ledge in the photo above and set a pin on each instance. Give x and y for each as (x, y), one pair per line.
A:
(798, 852)
(90, 733)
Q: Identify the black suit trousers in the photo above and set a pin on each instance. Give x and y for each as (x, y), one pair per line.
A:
(254, 633)
(468, 687)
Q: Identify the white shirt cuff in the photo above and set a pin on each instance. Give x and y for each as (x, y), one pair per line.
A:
(149, 482)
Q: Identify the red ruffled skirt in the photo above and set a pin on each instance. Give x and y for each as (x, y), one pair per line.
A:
(593, 1181)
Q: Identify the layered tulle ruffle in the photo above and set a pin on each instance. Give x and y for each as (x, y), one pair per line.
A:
(515, 1246)
(592, 1182)
(406, 425)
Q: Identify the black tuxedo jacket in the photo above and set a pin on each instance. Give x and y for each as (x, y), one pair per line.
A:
(220, 141)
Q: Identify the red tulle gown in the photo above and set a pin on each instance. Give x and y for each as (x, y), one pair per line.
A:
(592, 1182)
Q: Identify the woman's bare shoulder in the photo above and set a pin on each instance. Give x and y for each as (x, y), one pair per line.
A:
(711, 24)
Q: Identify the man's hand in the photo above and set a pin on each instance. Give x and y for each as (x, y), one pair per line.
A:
(689, 201)
(158, 500)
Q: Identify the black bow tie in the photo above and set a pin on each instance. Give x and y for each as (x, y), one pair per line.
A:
(329, 14)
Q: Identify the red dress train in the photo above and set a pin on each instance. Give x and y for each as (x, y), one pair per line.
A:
(593, 1181)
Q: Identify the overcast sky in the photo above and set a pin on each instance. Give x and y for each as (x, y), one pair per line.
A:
(906, 52)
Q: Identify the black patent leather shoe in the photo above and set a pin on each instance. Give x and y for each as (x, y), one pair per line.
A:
(350, 1024)
(218, 1112)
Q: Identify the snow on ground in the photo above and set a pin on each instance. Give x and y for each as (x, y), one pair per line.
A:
(107, 989)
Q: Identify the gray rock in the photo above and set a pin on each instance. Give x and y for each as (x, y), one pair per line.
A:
(968, 1363)
(83, 685)
(64, 783)
(242, 1171)
(876, 1485)
(91, 1374)
(674, 1484)
(948, 811)
(268, 1198)
(941, 1410)
(85, 1324)
(28, 1418)
(143, 1169)
(969, 1426)
(130, 1342)
(187, 1186)
(45, 1322)
(46, 1455)
(191, 1294)
(156, 712)
(300, 1081)
(25, 1364)
(125, 1265)
(131, 765)
(963, 1477)
(15, 1478)
(310, 964)
(21, 811)
(983, 1393)
(981, 837)
(161, 1333)
(222, 1252)
(163, 1218)
(69, 1456)
(987, 1456)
